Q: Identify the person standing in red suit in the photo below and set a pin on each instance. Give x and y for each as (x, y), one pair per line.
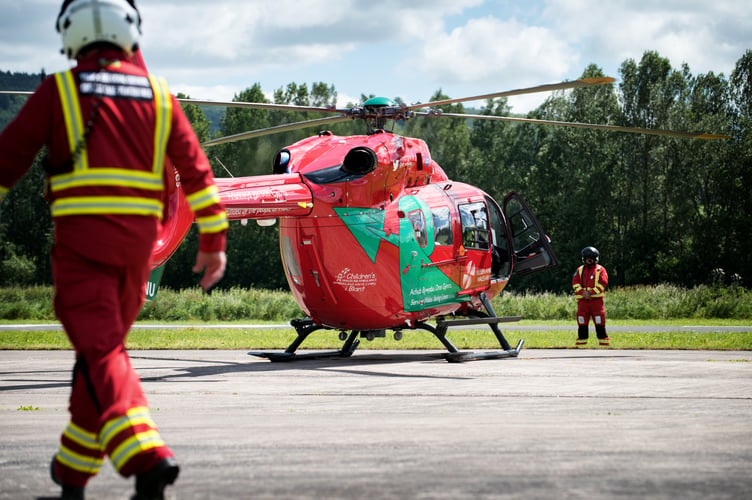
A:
(108, 126)
(589, 283)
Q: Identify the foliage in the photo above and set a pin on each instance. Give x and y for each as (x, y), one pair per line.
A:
(640, 302)
(27, 303)
(228, 305)
(649, 303)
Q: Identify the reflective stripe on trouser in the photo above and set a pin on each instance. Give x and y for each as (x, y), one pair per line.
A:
(132, 440)
(132, 443)
(80, 456)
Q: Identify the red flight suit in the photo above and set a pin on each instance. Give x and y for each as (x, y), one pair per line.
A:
(105, 194)
(592, 279)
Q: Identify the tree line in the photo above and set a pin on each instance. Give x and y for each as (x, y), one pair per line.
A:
(659, 209)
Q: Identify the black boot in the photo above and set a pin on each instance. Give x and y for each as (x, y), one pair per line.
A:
(150, 485)
(603, 339)
(69, 492)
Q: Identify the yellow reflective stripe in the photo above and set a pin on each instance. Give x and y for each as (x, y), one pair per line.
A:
(163, 125)
(74, 123)
(212, 223)
(3, 192)
(597, 291)
(82, 205)
(204, 198)
(134, 445)
(578, 286)
(82, 437)
(597, 287)
(107, 177)
(76, 461)
(134, 416)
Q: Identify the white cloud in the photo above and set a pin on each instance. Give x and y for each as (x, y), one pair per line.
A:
(396, 48)
(488, 50)
(706, 35)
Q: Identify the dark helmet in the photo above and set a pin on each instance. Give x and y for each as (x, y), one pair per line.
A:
(590, 253)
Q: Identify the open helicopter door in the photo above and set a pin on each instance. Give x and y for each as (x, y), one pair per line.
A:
(532, 248)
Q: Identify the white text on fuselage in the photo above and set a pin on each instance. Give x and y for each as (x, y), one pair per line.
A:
(251, 213)
(430, 294)
(355, 282)
(263, 195)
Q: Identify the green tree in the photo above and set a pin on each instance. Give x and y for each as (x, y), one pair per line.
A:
(569, 179)
(648, 91)
(737, 177)
(25, 223)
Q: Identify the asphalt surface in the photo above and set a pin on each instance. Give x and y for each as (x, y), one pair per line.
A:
(408, 425)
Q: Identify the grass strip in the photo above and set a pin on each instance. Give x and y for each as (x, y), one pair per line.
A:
(278, 339)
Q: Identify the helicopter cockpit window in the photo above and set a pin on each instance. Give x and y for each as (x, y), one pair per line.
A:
(418, 220)
(442, 226)
(475, 230)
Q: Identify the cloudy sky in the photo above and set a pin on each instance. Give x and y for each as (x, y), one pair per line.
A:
(406, 48)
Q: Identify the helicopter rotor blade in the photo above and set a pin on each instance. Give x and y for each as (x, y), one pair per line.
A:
(273, 130)
(261, 105)
(227, 104)
(613, 128)
(583, 82)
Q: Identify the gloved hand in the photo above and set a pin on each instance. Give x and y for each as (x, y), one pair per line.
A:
(213, 265)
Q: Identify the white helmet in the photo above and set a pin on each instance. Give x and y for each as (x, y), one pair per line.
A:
(83, 22)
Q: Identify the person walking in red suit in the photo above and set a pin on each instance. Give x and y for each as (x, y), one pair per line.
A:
(589, 283)
(108, 126)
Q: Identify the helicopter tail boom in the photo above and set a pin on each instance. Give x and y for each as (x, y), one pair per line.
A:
(265, 196)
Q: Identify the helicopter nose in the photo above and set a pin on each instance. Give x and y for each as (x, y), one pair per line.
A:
(360, 160)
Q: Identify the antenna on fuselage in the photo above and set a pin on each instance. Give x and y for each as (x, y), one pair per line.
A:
(223, 166)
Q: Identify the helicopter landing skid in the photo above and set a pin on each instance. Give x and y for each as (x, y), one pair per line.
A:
(305, 327)
(456, 356)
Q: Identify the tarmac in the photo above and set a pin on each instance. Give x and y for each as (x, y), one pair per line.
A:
(566, 423)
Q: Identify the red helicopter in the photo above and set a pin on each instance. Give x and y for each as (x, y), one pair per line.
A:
(374, 236)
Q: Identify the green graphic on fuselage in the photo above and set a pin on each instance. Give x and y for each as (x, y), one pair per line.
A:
(367, 225)
(423, 287)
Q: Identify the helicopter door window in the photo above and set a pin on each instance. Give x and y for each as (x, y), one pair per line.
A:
(524, 230)
(442, 226)
(418, 220)
(502, 257)
(475, 230)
